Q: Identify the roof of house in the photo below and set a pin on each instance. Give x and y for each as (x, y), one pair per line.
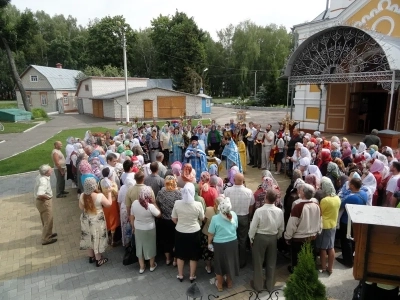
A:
(59, 79)
(114, 95)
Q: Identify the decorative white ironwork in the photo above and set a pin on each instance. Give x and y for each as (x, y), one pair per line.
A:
(342, 50)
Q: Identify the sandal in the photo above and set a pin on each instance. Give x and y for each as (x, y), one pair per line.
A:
(219, 287)
(92, 259)
(101, 261)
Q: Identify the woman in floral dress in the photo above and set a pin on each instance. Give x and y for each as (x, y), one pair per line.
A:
(176, 146)
(123, 213)
(93, 222)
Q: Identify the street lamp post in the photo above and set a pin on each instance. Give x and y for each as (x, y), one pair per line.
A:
(201, 80)
(126, 76)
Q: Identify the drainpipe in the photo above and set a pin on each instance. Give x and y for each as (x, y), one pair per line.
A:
(321, 90)
(326, 10)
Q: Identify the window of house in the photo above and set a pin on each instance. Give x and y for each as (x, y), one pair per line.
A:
(43, 99)
(65, 99)
(208, 102)
(28, 96)
(86, 87)
(34, 78)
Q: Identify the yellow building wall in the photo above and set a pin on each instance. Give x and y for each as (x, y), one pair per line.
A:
(379, 15)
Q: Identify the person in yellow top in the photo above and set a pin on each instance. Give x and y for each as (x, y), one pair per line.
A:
(242, 152)
(330, 205)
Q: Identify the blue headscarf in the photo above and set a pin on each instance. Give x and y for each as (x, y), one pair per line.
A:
(96, 153)
(213, 169)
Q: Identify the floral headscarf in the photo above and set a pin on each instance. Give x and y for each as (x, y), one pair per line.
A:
(313, 180)
(327, 187)
(89, 186)
(333, 169)
(170, 183)
(267, 183)
(205, 181)
(187, 174)
(225, 208)
(84, 167)
(145, 197)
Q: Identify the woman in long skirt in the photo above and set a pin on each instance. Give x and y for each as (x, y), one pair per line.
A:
(223, 241)
(176, 146)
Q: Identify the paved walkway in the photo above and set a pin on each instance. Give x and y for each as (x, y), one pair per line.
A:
(29, 270)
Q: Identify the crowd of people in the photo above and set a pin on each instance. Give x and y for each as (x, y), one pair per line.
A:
(159, 190)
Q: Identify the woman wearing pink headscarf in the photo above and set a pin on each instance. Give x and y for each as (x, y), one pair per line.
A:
(346, 154)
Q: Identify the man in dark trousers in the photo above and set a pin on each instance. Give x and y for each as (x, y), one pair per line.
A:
(291, 147)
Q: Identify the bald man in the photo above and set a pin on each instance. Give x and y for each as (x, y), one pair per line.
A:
(59, 169)
(242, 200)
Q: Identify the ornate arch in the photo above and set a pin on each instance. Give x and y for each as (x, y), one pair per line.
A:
(339, 54)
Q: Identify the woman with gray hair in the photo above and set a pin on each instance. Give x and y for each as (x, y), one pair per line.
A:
(93, 222)
(222, 239)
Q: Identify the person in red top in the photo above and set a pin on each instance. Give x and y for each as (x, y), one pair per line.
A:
(376, 168)
(324, 161)
(208, 189)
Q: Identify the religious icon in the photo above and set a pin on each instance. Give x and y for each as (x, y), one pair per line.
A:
(287, 123)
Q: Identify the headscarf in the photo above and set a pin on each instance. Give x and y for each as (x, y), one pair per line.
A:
(361, 148)
(267, 173)
(84, 167)
(70, 140)
(96, 153)
(205, 181)
(224, 208)
(213, 169)
(375, 147)
(325, 156)
(298, 182)
(340, 164)
(370, 182)
(145, 197)
(356, 175)
(170, 183)
(267, 183)
(377, 166)
(77, 147)
(312, 179)
(89, 186)
(388, 149)
(297, 174)
(326, 144)
(346, 145)
(327, 187)
(335, 145)
(120, 149)
(232, 172)
(305, 153)
(346, 153)
(187, 174)
(314, 170)
(333, 169)
(335, 139)
(87, 135)
(188, 193)
(129, 153)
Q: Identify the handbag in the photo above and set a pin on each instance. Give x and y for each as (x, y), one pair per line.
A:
(130, 253)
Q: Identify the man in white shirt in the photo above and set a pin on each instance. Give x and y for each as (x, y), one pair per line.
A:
(392, 184)
(269, 138)
(250, 143)
(165, 136)
(44, 203)
(242, 200)
(266, 228)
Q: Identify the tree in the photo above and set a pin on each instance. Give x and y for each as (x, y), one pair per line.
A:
(304, 284)
(179, 44)
(105, 42)
(145, 57)
(16, 33)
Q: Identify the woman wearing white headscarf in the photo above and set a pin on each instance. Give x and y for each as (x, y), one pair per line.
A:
(313, 169)
(123, 213)
(222, 239)
(186, 214)
(88, 139)
(69, 149)
(369, 181)
(304, 161)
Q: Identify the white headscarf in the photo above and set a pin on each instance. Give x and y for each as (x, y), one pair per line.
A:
(188, 193)
(361, 148)
(305, 153)
(370, 182)
(313, 169)
(225, 208)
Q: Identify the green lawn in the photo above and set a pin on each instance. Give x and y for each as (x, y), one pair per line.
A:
(223, 100)
(8, 104)
(32, 159)
(11, 127)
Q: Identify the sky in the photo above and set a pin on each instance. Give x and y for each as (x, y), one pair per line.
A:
(210, 15)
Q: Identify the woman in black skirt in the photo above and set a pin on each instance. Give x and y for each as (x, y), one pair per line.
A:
(166, 198)
(186, 214)
(223, 241)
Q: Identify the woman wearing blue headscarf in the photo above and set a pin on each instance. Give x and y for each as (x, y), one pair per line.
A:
(231, 153)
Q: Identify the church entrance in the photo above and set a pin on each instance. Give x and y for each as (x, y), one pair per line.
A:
(369, 108)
